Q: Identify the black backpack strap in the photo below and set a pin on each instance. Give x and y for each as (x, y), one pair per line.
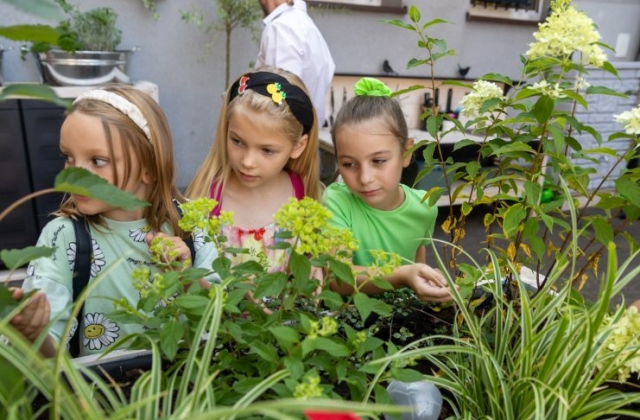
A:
(81, 275)
(189, 239)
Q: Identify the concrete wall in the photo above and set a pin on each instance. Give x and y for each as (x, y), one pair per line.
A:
(191, 77)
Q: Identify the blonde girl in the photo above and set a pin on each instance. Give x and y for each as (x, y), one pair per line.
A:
(265, 152)
(120, 134)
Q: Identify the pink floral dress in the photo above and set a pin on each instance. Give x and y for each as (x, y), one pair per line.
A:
(258, 241)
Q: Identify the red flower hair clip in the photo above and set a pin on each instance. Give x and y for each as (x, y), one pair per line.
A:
(243, 84)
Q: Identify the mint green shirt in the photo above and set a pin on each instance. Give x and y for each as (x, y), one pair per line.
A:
(117, 251)
(402, 230)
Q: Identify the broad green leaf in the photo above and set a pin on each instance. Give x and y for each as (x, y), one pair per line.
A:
(628, 189)
(331, 299)
(457, 83)
(33, 91)
(170, 335)
(434, 22)
(407, 375)
(294, 366)
(512, 219)
(285, 334)
(543, 108)
(265, 350)
(603, 230)
(496, 77)
(30, 33)
(82, 182)
(47, 9)
(399, 23)
(331, 347)
(407, 90)
(300, 267)
(603, 90)
(191, 303)
(367, 305)
(14, 258)
(342, 271)
(414, 14)
(270, 284)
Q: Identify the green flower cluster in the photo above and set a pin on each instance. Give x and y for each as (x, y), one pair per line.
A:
(565, 31)
(384, 262)
(624, 342)
(307, 221)
(329, 327)
(308, 388)
(163, 250)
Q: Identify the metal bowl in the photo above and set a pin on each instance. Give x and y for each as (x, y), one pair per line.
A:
(83, 68)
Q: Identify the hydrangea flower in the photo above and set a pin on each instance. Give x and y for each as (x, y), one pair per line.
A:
(482, 92)
(630, 120)
(624, 337)
(567, 30)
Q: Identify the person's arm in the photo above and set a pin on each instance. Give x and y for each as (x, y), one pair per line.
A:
(421, 254)
(427, 283)
(33, 320)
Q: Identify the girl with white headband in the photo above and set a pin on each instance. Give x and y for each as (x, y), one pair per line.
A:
(120, 134)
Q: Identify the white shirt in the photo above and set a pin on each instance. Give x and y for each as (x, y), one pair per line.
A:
(291, 41)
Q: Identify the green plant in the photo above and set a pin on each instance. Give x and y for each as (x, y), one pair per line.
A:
(93, 30)
(231, 14)
(530, 133)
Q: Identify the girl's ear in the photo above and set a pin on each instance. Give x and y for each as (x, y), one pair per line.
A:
(408, 146)
(145, 177)
(299, 147)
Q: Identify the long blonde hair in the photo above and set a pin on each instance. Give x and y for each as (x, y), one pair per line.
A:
(155, 156)
(216, 168)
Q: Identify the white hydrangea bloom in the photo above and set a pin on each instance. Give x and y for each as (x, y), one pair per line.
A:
(482, 91)
(545, 88)
(565, 31)
(630, 120)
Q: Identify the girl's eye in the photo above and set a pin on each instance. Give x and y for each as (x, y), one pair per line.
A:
(379, 161)
(268, 151)
(68, 160)
(99, 162)
(347, 165)
(235, 141)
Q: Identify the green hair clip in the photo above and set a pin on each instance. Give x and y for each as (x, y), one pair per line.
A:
(369, 86)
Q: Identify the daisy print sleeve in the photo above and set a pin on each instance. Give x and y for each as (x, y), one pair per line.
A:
(53, 275)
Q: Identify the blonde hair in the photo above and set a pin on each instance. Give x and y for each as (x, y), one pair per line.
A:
(155, 156)
(216, 168)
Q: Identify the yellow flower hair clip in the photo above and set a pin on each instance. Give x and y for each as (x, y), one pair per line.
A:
(277, 95)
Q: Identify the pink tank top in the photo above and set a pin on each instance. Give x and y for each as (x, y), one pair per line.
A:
(216, 193)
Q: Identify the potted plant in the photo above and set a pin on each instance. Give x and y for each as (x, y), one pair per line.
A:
(86, 52)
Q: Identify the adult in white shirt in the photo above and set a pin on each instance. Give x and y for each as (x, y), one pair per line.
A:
(291, 41)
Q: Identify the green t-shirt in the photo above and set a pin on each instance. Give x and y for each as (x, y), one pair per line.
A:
(116, 251)
(401, 230)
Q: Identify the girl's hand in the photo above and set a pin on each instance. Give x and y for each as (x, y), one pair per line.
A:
(427, 282)
(34, 317)
(168, 249)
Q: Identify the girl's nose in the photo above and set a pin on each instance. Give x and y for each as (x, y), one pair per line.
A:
(248, 159)
(366, 175)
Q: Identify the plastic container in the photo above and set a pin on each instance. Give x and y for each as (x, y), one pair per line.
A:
(424, 396)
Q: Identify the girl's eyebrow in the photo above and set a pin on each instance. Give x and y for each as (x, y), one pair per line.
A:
(379, 152)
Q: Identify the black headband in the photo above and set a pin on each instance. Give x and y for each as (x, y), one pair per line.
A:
(279, 90)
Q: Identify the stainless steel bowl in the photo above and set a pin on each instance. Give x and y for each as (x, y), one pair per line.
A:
(83, 68)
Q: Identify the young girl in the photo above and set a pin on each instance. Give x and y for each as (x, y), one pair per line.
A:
(370, 137)
(121, 135)
(265, 151)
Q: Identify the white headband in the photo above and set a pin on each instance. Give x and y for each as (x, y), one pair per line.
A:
(119, 103)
